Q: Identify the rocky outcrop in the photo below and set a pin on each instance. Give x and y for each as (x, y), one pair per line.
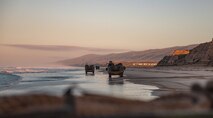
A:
(172, 60)
(200, 55)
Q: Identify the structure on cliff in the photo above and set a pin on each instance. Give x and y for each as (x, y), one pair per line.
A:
(200, 55)
(180, 52)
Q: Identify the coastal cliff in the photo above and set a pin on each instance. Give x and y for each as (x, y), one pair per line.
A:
(201, 55)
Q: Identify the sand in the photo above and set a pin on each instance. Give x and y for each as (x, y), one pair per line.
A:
(170, 79)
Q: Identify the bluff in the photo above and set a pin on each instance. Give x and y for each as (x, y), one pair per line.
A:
(200, 55)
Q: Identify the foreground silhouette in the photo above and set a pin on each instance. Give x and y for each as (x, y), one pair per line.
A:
(197, 103)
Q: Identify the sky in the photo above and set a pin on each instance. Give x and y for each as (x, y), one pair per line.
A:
(119, 24)
(36, 32)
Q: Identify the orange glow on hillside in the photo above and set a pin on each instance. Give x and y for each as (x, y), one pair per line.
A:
(180, 52)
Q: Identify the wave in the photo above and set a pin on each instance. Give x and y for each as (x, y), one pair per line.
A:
(21, 70)
(7, 80)
(10, 76)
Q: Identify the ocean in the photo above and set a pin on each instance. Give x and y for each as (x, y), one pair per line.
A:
(55, 81)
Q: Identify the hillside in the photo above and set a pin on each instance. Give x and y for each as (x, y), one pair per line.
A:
(147, 55)
(200, 55)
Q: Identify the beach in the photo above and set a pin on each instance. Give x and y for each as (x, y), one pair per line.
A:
(170, 79)
(138, 83)
(98, 95)
(55, 81)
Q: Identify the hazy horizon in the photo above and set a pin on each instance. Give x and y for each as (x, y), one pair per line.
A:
(43, 55)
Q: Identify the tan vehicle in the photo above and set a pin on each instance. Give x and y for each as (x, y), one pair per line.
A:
(90, 68)
(116, 70)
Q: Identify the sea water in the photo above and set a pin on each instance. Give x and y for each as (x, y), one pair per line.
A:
(56, 80)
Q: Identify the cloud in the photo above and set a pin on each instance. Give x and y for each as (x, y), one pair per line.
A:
(61, 48)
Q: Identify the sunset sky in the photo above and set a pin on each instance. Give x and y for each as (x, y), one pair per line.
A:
(123, 24)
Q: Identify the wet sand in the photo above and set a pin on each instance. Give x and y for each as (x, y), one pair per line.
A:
(169, 79)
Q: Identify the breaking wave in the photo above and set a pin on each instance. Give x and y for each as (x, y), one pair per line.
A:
(7, 80)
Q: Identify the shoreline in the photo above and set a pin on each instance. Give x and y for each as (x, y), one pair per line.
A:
(169, 80)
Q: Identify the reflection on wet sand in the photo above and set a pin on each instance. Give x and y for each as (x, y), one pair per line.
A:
(117, 81)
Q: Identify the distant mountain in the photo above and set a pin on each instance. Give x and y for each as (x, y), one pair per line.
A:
(200, 55)
(147, 55)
